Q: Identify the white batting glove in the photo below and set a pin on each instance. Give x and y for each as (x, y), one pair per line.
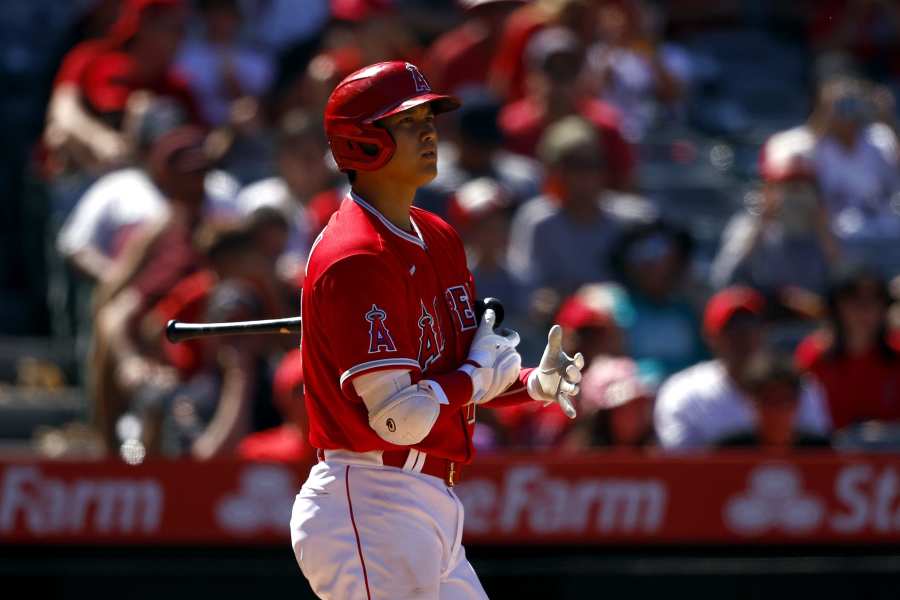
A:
(493, 362)
(557, 376)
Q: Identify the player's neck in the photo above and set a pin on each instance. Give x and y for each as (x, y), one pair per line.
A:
(392, 201)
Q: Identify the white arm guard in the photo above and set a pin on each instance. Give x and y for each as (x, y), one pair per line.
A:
(399, 412)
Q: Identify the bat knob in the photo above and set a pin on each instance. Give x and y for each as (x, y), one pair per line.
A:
(492, 303)
(172, 331)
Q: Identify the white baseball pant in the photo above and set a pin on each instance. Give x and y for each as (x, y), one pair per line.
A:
(365, 531)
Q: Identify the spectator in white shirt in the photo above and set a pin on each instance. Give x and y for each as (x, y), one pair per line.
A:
(220, 69)
(120, 201)
(699, 407)
(856, 162)
(783, 245)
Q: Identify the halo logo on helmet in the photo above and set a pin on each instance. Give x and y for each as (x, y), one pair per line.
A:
(370, 94)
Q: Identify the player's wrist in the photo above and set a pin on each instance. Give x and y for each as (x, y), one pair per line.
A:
(481, 379)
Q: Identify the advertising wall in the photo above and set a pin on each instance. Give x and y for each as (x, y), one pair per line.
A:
(597, 499)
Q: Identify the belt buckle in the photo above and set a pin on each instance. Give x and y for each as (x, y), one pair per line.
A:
(451, 473)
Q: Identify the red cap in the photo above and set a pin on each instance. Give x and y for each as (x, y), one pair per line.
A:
(725, 303)
(787, 156)
(575, 313)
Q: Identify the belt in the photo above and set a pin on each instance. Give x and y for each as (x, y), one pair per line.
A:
(417, 462)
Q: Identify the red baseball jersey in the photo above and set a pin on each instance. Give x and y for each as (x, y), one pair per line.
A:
(377, 297)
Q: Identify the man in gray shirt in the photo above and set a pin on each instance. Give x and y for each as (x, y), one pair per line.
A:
(562, 239)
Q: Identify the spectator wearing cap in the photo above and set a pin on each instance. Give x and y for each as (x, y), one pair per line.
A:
(615, 407)
(455, 60)
(220, 69)
(856, 162)
(698, 407)
(154, 259)
(306, 190)
(508, 70)
(96, 230)
(589, 320)
(774, 387)
(856, 356)
(476, 153)
(555, 60)
(661, 326)
(784, 246)
(562, 239)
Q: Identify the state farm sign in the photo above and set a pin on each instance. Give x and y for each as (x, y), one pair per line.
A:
(522, 499)
(44, 505)
(531, 498)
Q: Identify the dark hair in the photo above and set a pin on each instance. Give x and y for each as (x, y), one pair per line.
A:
(618, 257)
(600, 431)
(265, 216)
(769, 368)
(844, 278)
(205, 6)
(219, 240)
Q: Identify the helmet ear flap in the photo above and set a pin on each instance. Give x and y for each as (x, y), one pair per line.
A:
(360, 147)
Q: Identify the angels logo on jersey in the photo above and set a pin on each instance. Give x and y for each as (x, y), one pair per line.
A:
(430, 342)
(379, 336)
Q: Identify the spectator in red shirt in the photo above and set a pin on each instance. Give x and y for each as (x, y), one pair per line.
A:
(97, 77)
(856, 357)
(555, 59)
(457, 58)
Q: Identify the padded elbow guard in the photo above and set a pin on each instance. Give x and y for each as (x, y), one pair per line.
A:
(406, 417)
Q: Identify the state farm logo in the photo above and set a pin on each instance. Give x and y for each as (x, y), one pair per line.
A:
(774, 500)
(263, 501)
(529, 497)
(42, 505)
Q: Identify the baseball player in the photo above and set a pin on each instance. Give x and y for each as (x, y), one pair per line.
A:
(396, 365)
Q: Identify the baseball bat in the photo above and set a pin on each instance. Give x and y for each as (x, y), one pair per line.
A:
(178, 331)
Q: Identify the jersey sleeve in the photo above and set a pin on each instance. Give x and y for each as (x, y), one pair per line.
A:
(363, 305)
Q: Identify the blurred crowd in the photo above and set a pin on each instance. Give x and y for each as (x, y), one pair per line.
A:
(706, 198)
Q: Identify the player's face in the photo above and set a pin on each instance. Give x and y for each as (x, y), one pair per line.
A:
(415, 159)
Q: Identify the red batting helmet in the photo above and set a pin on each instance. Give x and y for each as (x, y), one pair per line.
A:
(363, 97)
